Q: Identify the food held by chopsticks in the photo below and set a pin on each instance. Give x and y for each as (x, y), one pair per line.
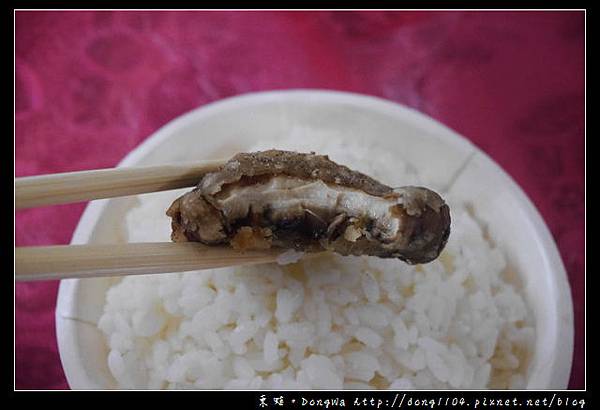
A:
(308, 203)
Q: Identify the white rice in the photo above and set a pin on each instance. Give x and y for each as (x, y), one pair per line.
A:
(323, 323)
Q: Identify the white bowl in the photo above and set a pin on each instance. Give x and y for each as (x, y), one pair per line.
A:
(222, 128)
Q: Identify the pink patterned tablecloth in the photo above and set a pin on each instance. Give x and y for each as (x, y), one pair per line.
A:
(90, 86)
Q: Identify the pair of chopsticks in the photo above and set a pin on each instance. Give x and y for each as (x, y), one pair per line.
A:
(86, 261)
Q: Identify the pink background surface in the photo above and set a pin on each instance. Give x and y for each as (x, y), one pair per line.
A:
(90, 86)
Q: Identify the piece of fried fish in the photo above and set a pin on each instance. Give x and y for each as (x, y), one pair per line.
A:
(308, 203)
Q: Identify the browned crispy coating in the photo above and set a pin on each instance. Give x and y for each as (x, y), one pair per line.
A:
(293, 164)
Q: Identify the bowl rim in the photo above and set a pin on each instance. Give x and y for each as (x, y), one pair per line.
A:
(74, 370)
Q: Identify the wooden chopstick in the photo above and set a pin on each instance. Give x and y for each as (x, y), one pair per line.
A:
(89, 261)
(107, 183)
(96, 260)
